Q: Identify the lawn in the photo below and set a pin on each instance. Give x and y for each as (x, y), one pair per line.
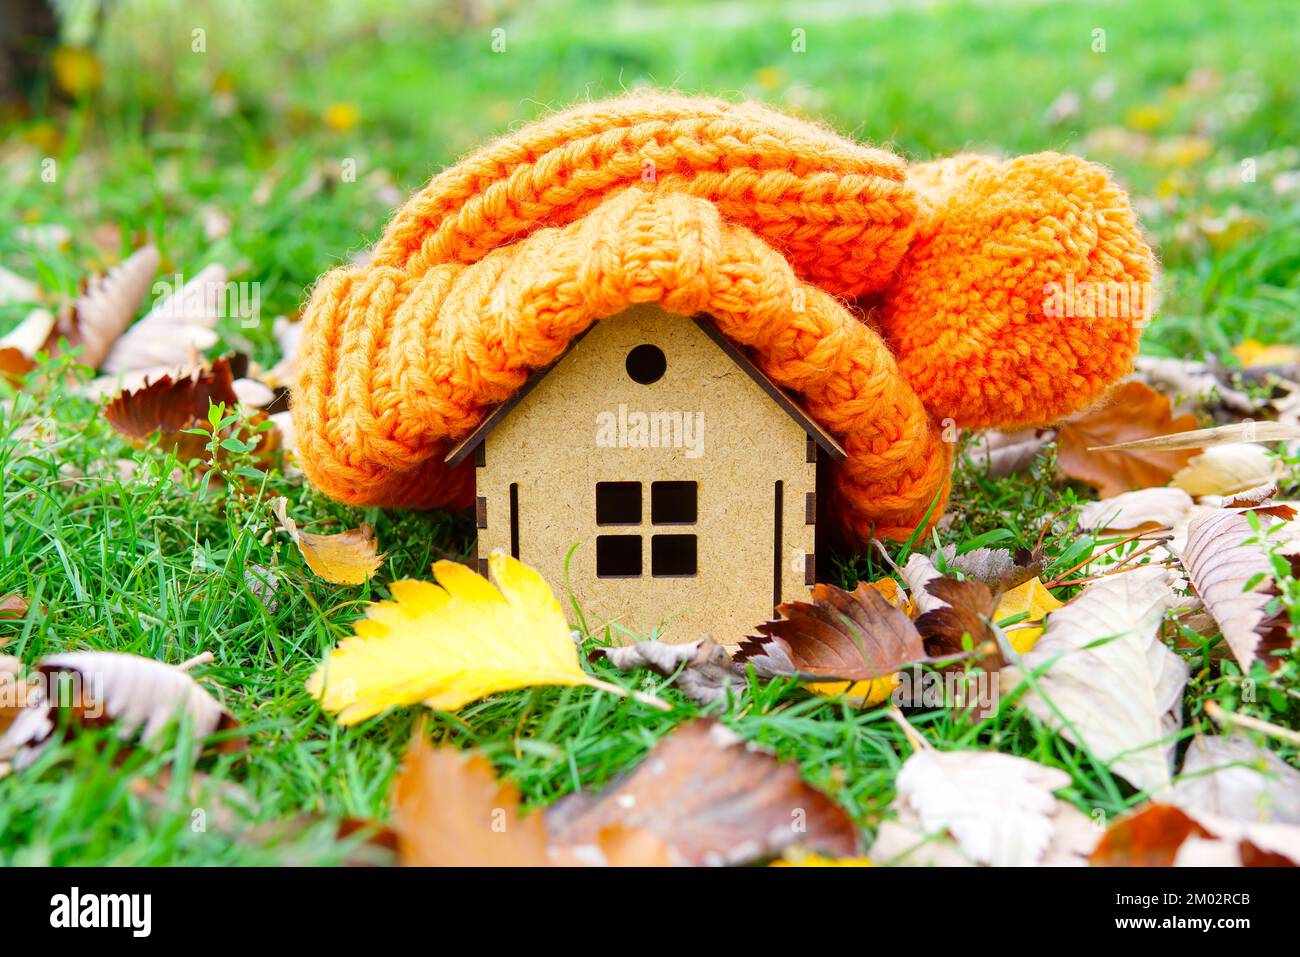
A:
(241, 153)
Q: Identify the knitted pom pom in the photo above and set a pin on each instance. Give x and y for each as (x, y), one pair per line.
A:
(1024, 292)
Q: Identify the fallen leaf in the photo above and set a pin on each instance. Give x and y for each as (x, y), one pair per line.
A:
(451, 643)
(1226, 469)
(1259, 499)
(1033, 600)
(288, 335)
(713, 799)
(997, 568)
(96, 688)
(1221, 563)
(1221, 435)
(1199, 381)
(702, 669)
(14, 365)
(1130, 411)
(1162, 835)
(1232, 776)
(346, 558)
(106, 308)
(168, 408)
(14, 606)
(449, 810)
(962, 622)
(1146, 508)
(851, 637)
(31, 335)
(1148, 838)
(804, 859)
(981, 807)
(252, 394)
(177, 329)
(1006, 453)
(917, 572)
(1253, 353)
(1110, 676)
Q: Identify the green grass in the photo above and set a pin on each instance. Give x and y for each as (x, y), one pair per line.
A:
(155, 563)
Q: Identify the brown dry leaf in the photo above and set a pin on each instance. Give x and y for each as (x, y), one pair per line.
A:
(1130, 411)
(1227, 469)
(449, 810)
(961, 623)
(981, 807)
(713, 799)
(845, 636)
(108, 305)
(1259, 499)
(1162, 835)
(14, 606)
(702, 669)
(1220, 563)
(14, 365)
(169, 407)
(1149, 838)
(97, 688)
(347, 558)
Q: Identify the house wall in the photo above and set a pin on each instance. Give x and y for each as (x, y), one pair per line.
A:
(566, 435)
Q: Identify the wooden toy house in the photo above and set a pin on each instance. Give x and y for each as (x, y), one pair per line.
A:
(658, 476)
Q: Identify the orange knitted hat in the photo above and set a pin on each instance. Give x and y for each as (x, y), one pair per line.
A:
(767, 223)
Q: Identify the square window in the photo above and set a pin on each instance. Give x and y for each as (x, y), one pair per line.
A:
(672, 556)
(618, 503)
(674, 503)
(618, 556)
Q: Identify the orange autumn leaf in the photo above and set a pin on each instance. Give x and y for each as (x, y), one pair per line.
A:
(1130, 411)
(449, 810)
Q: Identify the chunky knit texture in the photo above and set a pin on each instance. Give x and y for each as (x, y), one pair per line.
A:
(761, 221)
(965, 313)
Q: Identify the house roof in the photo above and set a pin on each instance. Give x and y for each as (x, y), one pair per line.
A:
(780, 396)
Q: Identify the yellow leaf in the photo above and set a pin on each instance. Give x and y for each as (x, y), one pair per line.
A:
(1252, 352)
(342, 117)
(447, 644)
(348, 558)
(1034, 598)
(799, 859)
(76, 70)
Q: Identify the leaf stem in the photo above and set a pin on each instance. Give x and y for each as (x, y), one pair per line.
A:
(641, 696)
(1217, 712)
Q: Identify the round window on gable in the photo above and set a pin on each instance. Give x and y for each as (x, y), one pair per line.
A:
(646, 364)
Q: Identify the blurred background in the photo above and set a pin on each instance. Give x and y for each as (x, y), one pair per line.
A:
(221, 130)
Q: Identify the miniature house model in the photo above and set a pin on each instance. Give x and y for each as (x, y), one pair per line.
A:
(658, 476)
